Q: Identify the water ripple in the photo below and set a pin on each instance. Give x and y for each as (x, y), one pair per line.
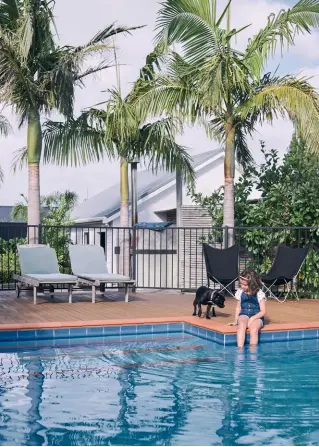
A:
(183, 391)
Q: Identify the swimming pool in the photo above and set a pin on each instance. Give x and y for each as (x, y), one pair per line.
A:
(170, 388)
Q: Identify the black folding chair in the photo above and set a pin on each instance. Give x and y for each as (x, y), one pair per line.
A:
(222, 266)
(284, 270)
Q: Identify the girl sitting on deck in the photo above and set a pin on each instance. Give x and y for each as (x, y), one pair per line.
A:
(251, 307)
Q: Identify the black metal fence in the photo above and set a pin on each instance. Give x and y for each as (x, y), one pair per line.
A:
(168, 259)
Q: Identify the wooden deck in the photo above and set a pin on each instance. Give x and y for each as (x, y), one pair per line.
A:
(144, 307)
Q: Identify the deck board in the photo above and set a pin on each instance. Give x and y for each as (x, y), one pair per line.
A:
(143, 306)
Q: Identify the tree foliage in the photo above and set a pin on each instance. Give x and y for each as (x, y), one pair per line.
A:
(288, 203)
(56, 225)
(206, 80)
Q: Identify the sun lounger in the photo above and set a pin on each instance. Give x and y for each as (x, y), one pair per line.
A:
(39, 266)
(89, 265)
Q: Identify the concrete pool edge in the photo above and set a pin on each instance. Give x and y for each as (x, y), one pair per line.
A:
(212, 324)
(207, 329)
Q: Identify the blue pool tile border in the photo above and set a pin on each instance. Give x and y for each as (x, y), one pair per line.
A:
(151, 329)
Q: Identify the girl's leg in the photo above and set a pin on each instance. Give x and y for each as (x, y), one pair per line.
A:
(241, 330)
(254, 329)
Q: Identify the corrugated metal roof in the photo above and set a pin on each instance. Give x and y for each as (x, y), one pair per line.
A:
(107, 202)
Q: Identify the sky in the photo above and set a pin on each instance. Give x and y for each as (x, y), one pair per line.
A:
(78, 20)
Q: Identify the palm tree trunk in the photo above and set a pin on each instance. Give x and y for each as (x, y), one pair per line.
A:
(229, 173)
(124, 211)
(124, 219)
(34, 156)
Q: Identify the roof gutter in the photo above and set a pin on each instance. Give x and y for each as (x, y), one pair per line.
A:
(100, 219)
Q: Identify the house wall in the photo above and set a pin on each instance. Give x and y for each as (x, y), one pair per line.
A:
(171, 258)
(209, 178)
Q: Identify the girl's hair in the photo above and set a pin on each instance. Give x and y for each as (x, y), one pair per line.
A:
(253, 280)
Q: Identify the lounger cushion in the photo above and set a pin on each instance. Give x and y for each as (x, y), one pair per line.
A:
(88, 262)
(104, 277)
(38, 260)
(51, 278)
(88, 259)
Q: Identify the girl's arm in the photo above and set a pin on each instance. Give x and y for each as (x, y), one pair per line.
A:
(237, 312)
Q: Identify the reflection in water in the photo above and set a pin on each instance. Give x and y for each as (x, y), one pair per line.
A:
(34, 392)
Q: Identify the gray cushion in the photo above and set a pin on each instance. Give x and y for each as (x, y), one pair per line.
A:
(88, 259)
(38, 260)
(104, 277)
(58, 278)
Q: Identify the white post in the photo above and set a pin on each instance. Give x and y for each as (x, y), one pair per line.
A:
(179, 197)
(70, 293)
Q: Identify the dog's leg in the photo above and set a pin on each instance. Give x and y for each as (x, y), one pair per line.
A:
(213, 313)
(195, 309)
(209, 306)
(199, 313)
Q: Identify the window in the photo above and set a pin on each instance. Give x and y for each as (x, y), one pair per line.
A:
(102, 240)
(171, 216)
(86, 238)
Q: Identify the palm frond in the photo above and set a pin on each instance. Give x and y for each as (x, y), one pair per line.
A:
(77, 141)
(20, 212)
(63, 201)
(153, 64)
(17, 88)
(9, 14)
(20, 159)
(281, 29)
(243, 129)
(243, 155)
(121, 120)
(170, 9)
(102, 43)
(168, 95)
(220, 77)
(288, 97)
(62, 69)
(5, 126)
(190, 23)
(108, 32)
(156, 143)
(92, 70)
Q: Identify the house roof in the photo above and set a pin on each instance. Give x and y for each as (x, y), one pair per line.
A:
(5, 213)
(107, 202)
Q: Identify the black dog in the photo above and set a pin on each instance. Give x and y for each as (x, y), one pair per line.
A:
(207, 297)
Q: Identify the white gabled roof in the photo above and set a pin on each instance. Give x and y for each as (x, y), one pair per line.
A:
(107, 203)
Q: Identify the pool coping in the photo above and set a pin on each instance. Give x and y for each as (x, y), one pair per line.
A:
(211, 325)
(36, 333)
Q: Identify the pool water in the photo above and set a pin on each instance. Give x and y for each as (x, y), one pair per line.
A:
(165, 389)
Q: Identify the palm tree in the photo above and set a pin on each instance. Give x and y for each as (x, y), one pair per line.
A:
(212, 83)
(55, 208)
(120, 129)
(37, 76)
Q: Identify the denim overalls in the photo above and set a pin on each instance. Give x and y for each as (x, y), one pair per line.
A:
(249, 305)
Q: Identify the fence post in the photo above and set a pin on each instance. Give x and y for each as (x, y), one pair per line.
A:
(226, 237)
(40, 233)
(134, 260)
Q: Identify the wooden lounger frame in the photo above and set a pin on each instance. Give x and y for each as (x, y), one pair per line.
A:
(35, 283)
(98, 283)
